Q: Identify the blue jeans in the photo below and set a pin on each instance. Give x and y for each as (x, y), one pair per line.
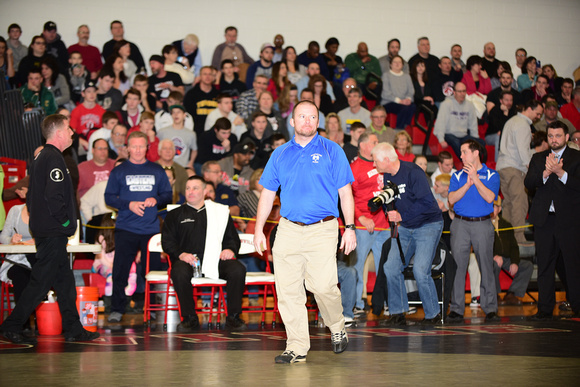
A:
(455, 142)
(493, 139)
(421, 243)
(365, 242)
(404, 113)
(347, 281)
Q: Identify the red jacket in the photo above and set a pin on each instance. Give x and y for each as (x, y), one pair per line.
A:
(367, 183)
(571, 113)
(484, 84)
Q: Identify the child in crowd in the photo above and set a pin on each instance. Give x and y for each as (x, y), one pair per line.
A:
(109, 120)
(78, 75)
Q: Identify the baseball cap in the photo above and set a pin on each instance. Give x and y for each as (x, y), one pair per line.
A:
(157, 58)
(176, 107)
(245, 147)
(551, 104)
(49, 26)
(90, 83)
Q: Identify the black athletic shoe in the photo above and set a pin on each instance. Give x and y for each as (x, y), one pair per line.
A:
(454, 317)
(19, 338)
(395, 320)
(83, 336)
(492, 317)
(541, 316)
(191, 324)
(432, 321)
(235, 323)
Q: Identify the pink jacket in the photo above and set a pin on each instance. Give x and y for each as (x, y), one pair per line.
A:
(484, 84)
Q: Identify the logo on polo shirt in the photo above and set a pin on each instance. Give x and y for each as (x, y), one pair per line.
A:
(56, 175)
(315, 157)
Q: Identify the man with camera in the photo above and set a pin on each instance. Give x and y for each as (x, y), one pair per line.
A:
(411, 205)
(472, 191)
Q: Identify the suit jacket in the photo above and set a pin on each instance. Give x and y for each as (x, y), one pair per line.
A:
(566, 197)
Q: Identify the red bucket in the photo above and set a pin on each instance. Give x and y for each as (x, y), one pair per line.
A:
(48, 319)
(87, 305)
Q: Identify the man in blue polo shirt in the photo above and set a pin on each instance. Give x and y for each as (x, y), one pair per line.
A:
(421, 223)
(472, 192)
(312, 172)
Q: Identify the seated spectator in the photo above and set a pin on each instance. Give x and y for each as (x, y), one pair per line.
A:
(225, 109)
(109, 121)
(551, 115)
(334, 129)
(212, 173)
(188, 243)
(166, 150)
(185, 140)
(393, 47)
(554, 81)
(77, 76)
(141, 84)
(228, 81)
(174, 65)
(445, 80)
(456, 62)
(260, 136)
(115, 64)
(539, 90)
(163, 117)
(421, 161)
(36, 95)
(378, 125)
(108, 97)
(444, 165)
(236, 170)
(132, 109)
(6, 61)
(354, 112)
(36, 53)
(55, 46)
(118, 143)
(421, 84)
(176, 198)
(279, 79)
(306, 95)
(147, 125)
(87, 116)
(360, 64)
(287, 99)
(404, 146)
(295, 72)
(476, 79)
(506, 255)
(317, 83)
(162, 82)
(231, 50)
(489, 62)
(123, 49)
(97, 169)
(571, 110)
(565, 94)
(441, 191)
(398, 93)
(342, 101)
(495, 81)
(189, 48)
(457, 121)
(312, 55)
(216, 143)
(498, 116)
(55, 82)
(529, 74)
(201, 100)
(333, 62)
(424, 52)
(91, 54)
(249, 200)
(351, 148)
(312, 70)
(19, 50)
(275, 121)
(262, 66)
(505, 84)
(118, 33)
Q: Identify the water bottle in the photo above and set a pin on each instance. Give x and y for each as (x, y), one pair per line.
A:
(197, 268)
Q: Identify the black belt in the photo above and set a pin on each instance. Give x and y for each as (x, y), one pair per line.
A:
(330, 217)
(468, 219)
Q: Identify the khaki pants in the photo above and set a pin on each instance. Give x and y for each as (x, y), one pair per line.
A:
(515, 204)
(306, 255)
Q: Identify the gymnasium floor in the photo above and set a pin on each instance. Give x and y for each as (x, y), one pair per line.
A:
(511, 352)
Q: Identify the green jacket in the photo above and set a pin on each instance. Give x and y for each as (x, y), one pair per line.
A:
(359, 71)
(44, 100)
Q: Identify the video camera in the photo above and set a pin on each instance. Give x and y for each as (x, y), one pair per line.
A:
(386, 196)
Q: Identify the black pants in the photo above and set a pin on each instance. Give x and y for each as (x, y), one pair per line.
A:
(52, 270)
(551, 241)
(20, 276)
(231, 270)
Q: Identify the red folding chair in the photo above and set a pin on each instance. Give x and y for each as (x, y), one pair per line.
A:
(6, 299)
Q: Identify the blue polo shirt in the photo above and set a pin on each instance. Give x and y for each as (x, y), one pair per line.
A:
(309, 177)
(472, 204)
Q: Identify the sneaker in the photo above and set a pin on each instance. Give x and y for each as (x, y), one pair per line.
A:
(83, 336)
(339, 341)
(454, 317)
(348, 322)
(492, 317)
(565, 307)
(19, 338)
(395, 320)
(189, 325)
(115, 317)
(235, 323)
(288, 357)
(432, 321)
(541, 316)
(475, 303)
(412, 310)
(359, 312)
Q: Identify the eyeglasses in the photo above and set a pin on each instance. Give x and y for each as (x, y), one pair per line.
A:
(576, 139)
(349, 86)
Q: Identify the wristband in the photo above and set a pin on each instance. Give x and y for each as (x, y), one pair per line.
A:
(350, 227)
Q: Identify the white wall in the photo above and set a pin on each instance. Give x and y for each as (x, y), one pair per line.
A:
(548, 29)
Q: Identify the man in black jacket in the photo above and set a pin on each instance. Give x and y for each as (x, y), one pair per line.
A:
(555, 176)
(52, 206)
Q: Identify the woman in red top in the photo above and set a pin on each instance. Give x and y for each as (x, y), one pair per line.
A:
(403, 146)
(476, 79)
(279, 79)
